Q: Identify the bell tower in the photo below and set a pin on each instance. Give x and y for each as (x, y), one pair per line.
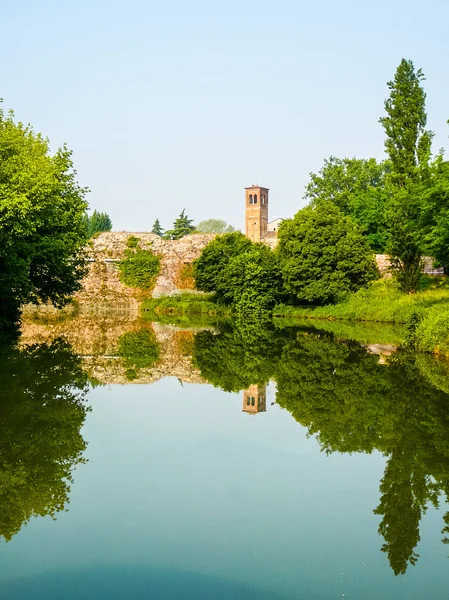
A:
(255, 399)
(256, 212)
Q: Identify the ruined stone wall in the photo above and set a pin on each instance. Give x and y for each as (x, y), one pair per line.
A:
(102, 284)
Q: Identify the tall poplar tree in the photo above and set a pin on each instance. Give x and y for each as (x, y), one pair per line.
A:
(408, 145)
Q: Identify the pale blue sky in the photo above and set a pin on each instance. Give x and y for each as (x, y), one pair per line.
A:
(181, 104)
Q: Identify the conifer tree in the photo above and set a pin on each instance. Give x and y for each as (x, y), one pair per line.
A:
(97, 222)
(157, 229)
(182, 226)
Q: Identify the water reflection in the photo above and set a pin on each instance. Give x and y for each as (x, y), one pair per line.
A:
(42, 410)
(352, 402)
(352, 394)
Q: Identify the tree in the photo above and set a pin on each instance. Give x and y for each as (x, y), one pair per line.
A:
(97, 223)
(182, 226)
(157, 229)
(214, 226)
(357, 188)
(42, 226)
(433, 212)
(408, 142)
(209, 270)
(254, 281)
(408, 145)
(323, 254)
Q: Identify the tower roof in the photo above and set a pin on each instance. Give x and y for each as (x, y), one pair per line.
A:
(257, 187)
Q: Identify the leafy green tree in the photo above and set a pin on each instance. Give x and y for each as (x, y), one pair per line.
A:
(42, 411)
(42, 226)
(323, 254)
(182, 226)
(408, 145)
(210, 269)
(432, 223)
(254, 281)
(97, 223)
(157, 229)
(357, 188)
(214, 226)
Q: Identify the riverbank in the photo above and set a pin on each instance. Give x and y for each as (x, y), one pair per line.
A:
(426, 313)
(424, 316)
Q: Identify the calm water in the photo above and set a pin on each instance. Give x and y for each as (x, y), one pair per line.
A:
(244, 490)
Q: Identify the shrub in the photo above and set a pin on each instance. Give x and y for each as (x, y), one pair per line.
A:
(132, 241)
(139, 269)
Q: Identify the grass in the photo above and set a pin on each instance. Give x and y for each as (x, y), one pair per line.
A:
(382, 302)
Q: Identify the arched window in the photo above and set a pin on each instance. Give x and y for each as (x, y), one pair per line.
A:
(250, 198)
(262, 199)
(253, 401)
(255, 198)
(248, 401)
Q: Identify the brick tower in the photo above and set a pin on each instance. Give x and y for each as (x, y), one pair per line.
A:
(255, 399)
(256, 212)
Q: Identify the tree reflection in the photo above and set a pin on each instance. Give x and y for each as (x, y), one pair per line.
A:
(352, 403)
(42, 409)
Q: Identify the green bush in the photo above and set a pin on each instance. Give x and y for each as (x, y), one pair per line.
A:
(139, 269)
(323, 254)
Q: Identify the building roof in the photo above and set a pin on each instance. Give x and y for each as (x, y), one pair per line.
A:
(252, 187)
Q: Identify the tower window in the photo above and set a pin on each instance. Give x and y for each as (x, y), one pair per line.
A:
(250, 198)
(255, 198)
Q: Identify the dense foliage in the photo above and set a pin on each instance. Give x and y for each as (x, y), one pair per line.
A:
(140, 268)
(42, 411)
(401, 204)
(210, 269)
(97, 222)
(42, 226)
(241, 273)
(357, 188)
(323, 254)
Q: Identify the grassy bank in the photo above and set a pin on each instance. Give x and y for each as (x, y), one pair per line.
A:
(426, 313)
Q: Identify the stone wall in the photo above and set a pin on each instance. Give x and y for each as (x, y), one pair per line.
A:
(102, 284)
(383, 264)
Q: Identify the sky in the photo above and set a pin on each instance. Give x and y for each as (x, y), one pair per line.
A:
(183, 103)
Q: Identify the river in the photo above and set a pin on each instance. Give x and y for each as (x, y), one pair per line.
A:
(142, 460)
